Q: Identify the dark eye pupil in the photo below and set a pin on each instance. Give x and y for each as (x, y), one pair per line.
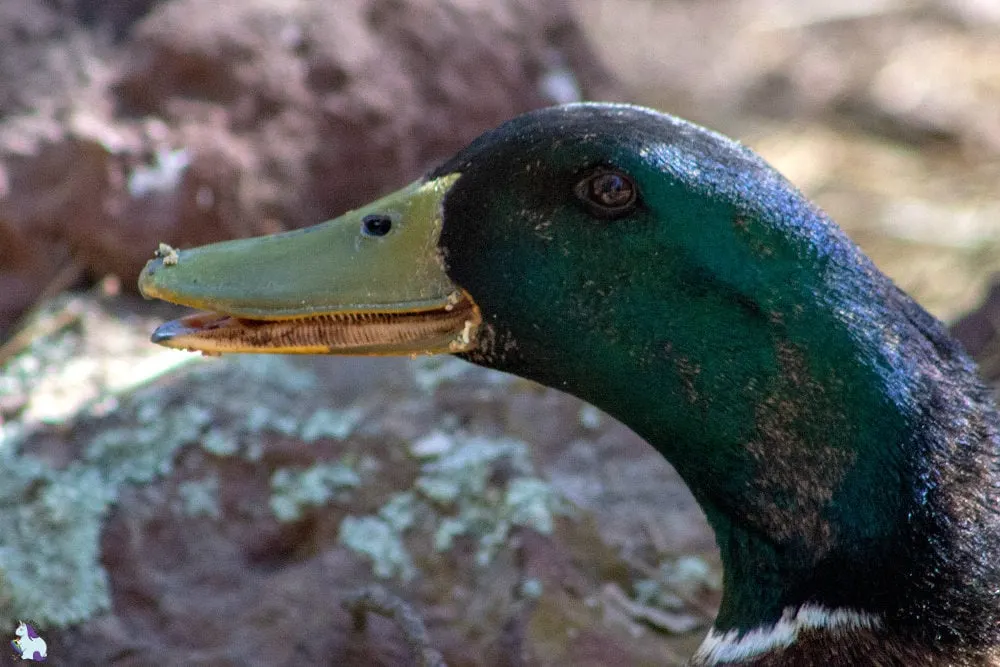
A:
(611, 190)
(375, 224)
(608, 193)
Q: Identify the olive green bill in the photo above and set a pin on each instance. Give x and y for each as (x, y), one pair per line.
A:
(329, 289)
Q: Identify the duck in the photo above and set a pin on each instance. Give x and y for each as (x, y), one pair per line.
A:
(838, 439)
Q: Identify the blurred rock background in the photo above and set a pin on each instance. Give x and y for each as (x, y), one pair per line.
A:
(158, 509)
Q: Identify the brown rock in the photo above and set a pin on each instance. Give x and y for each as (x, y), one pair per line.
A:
(224, 582)
(978, 331)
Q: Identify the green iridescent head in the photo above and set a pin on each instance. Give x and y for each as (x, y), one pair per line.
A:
(653, 268)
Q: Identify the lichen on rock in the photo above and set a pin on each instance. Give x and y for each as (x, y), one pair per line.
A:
(50, 522)
(315, 486)
(469, 485)
(54, 500)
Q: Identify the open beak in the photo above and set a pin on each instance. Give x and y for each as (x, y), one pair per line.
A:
(340, 287)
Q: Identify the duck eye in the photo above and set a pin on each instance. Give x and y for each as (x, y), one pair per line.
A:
(375, 224)
(608, 193)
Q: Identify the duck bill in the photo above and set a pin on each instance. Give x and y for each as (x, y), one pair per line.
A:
(334, 288)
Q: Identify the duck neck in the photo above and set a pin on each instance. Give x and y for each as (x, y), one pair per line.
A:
(802, 484)
(904, 555)
(830, 456)
(850, 483)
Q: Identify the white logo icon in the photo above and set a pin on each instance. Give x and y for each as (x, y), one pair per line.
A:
(27, 644)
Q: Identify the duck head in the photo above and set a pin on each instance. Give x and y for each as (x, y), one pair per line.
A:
(661, 272)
